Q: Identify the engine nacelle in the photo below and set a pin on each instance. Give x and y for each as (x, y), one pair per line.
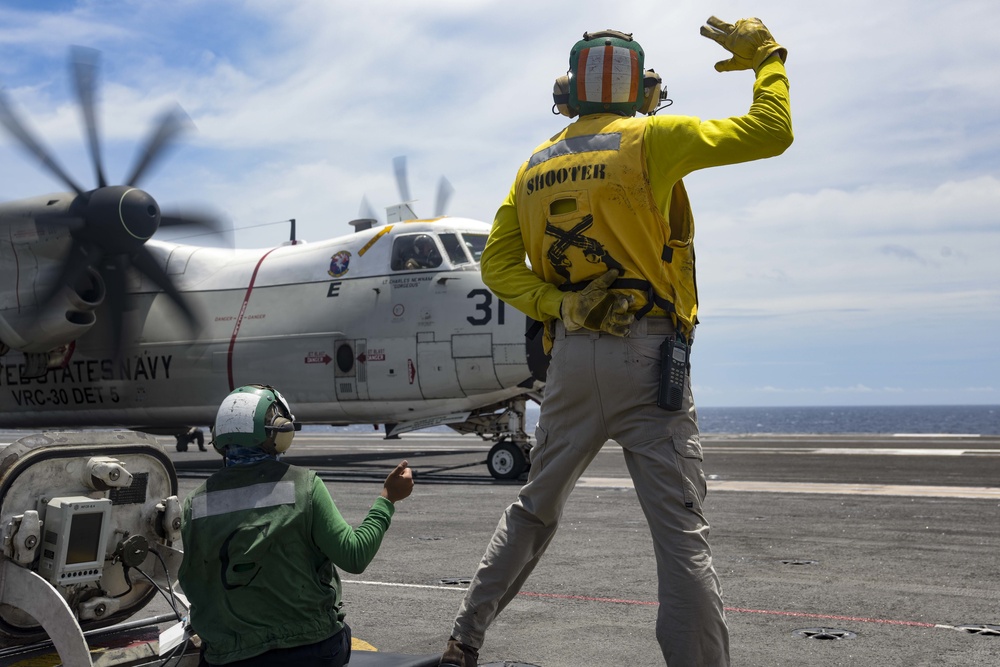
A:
(69, 316)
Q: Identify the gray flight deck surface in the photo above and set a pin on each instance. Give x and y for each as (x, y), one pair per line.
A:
(893, 539)
(890, 542)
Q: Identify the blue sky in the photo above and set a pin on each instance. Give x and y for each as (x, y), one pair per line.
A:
(859, 268)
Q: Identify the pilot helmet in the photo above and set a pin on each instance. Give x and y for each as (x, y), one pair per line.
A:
(605, 74)
(254, 416)
(423, 243)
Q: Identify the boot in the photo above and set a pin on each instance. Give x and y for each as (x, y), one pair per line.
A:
(457, 654)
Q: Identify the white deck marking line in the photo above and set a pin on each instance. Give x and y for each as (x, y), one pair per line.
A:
(397, 585)
(819, 488)
(838, 451)
(936, 435)
(841, 451)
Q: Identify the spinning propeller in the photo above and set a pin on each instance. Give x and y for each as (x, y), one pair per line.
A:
(445, 189)
(402, 210)
(110, 224)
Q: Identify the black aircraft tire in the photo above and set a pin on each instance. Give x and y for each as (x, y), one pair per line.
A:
(182, 444)
(506, 461)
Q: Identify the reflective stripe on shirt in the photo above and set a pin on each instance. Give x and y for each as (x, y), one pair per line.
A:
(583, 144)
(257, 496)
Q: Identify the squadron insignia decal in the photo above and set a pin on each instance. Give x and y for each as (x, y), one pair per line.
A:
(340, 263)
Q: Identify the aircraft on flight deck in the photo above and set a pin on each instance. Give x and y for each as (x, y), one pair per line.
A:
(103, 326)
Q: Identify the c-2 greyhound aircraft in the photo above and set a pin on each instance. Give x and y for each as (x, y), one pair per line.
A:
(103, 326)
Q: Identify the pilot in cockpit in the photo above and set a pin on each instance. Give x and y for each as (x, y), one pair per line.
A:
(424, 255)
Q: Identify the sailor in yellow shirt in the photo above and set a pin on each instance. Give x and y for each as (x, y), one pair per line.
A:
(601, 215)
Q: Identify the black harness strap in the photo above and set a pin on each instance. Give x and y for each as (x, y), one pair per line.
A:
(533, 330)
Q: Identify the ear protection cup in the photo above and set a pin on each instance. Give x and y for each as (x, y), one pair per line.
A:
(560, 97)
(653, 92)
(280, 434)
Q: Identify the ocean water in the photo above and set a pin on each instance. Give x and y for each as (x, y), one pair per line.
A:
(917, 419)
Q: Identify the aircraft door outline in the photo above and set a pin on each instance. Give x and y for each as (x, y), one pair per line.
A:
(350, 372)
(437, 370)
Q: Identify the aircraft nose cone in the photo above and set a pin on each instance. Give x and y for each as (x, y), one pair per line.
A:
(120, 218)
(139, 214)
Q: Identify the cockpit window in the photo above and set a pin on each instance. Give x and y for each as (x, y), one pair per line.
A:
(454, 249)
(475, 243)
(415, 251)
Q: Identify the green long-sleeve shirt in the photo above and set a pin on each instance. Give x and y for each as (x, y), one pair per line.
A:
(261, 543)
(350, 549)
(674, 146)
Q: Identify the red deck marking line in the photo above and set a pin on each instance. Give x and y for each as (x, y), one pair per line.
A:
(856, 619)
(586, 598)
(738, 610)
(239, 319)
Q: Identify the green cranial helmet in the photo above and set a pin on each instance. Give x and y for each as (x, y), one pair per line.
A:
(254, 416)
(606, 74)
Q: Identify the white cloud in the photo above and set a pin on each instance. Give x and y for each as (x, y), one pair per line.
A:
(880, 220)
(882, 252)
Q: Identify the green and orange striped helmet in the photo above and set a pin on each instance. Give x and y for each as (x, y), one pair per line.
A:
(606, 74)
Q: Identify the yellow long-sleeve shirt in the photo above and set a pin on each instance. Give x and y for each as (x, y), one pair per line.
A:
(674, 147)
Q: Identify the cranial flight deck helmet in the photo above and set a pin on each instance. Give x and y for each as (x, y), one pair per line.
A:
(606, 75)
(423, 243)
(254, 416)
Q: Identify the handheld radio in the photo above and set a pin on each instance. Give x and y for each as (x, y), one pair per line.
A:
(674, 355)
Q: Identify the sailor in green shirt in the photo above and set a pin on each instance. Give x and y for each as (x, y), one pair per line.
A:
(263, 541)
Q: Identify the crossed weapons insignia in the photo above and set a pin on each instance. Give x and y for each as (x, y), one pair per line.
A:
(593, 250)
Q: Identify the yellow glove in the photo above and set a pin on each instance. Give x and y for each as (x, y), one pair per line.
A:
(596, 308)
(748, 40)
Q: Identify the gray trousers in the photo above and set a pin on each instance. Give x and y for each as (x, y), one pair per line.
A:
(600, 387)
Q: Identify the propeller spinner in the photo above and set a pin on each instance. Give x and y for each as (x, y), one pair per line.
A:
(110, 224)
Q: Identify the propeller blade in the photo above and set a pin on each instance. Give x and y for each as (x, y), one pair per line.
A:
(366, 211)
(200, 223)
(399, 165)
(445, 191)
(81, 255)
(148, 265)
(85, 65)
(113, 272)
(20, 132)
(172, 123)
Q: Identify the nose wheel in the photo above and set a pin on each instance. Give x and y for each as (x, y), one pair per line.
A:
(506, 460)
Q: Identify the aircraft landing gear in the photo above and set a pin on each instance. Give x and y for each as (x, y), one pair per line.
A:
(190, 436)
(502, 423)
(507, 460)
